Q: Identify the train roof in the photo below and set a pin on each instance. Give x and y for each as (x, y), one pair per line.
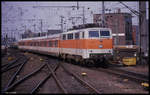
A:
(74, 29)
(84, 29)
(43, 37)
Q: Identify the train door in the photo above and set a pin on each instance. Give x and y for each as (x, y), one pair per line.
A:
(77, 42)
(59, 40)
(61, 43)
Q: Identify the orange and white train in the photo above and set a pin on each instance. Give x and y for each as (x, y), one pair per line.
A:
(88, 45)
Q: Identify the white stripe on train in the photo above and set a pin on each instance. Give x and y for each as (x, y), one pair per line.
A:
(82, 52)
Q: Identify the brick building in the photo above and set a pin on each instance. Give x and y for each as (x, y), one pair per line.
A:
(120, 23)
(135, 34)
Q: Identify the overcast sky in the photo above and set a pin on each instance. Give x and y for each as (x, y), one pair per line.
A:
(14, 12)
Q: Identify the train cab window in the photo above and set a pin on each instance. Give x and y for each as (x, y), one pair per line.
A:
(77, 35)
(104, 33)
(70, 36)
(82, 34)
(93, 33)
(64, 36)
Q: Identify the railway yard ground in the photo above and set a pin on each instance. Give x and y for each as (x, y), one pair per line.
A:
(25, 72)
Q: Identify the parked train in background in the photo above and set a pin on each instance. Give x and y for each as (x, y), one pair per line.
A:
(84, 45)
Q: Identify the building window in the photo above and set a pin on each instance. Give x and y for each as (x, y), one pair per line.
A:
(70, 36)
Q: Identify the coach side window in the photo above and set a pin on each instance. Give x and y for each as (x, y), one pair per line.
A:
(56, 43)
(45, 43)
(77, 35)
(50, 43)
(70, 36)
(34, 43)
(40, 43)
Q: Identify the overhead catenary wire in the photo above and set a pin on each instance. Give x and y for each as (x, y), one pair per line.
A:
(132, 10)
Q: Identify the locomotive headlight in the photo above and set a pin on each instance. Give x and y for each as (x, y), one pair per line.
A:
(100, 46)
(109, 51)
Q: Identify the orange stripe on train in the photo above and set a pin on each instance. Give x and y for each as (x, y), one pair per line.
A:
(87, 43)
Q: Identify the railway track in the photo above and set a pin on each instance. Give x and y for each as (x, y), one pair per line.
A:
(86, 84)
(14, 63)
(11, 85)
(71, 74)
(139, 78)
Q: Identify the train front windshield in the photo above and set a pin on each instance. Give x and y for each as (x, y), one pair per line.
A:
(94, 34)
(97, 34)
(104, 33)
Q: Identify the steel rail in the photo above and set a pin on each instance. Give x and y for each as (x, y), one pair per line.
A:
(27, 76)
(43, 81)
(56, 79)
(14, 76)
(133, 78)
(11, 67)
(131, 73)
(9, 64)
(82, 81)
